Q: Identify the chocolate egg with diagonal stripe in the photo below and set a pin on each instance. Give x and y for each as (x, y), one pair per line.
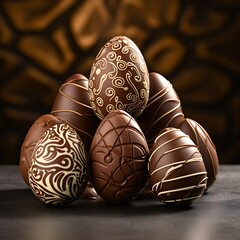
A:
(118, 158)
(177, 174)
(119, 78)
(163, 108)
(72, 106)
(205, 145)
(59, 169)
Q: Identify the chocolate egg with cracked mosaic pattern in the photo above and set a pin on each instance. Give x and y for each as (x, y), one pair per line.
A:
(205, 145)
(59, 171)
(72, 105)
(177, 174)
(163, 108)
(119, 78)
(118, 158)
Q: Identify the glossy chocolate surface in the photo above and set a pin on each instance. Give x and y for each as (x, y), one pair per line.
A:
(72, 106)
(89, 193)
(177, 173)
(118, 155)
(59, 171)
(163, 108)
(34, 134)
(119, 78)
(205, 145)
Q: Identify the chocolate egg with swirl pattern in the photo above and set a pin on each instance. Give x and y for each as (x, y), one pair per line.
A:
(59, 171)
(119, 79)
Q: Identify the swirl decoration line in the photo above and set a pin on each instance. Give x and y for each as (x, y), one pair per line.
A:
(103, 78)
(110, 92)
(111, 56)
(114, 73)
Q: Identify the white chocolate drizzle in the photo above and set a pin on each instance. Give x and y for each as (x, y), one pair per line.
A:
(197, 177)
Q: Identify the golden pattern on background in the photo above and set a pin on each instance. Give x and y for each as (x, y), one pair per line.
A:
(194, 45)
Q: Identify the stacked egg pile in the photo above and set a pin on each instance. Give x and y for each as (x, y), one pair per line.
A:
(118, 132)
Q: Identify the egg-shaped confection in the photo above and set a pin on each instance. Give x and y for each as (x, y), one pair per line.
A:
(72, 105)
(177, 174)
(59, 171)
(118, 158)
(163, 108)
(33, 135)
(205, 145)
(119, 78)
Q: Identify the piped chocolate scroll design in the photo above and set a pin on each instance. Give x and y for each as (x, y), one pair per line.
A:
(119, 79)
(59, 170)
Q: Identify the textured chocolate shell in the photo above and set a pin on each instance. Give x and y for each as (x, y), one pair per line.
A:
(177, 173)
(59, 171)
(118, 155)
(72, 106)
(33, 135)
(163, 108)
(119, 78)
(205, 145)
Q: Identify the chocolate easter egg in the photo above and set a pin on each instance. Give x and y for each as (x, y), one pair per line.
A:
(33, 135)
(177, 173)
(72, 106)
(59, 171)
(205, 145)
(163, 108)
(119, 158)
(119, 78)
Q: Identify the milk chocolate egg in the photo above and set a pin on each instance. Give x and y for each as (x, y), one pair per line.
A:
(59, 171)
(119, 78)
(177, 173)
(118, 155)
(205, 145)
(34, 133)
(72, 106)
(163, 108)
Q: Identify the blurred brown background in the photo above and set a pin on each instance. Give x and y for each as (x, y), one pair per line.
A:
(194, 44)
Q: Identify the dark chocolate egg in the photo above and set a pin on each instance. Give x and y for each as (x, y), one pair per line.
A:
(72, 106)
(34, 134)
(177, 173)
(205, 145)
(59, 171)
(119, 78)
(118, 155)
(163, 108)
